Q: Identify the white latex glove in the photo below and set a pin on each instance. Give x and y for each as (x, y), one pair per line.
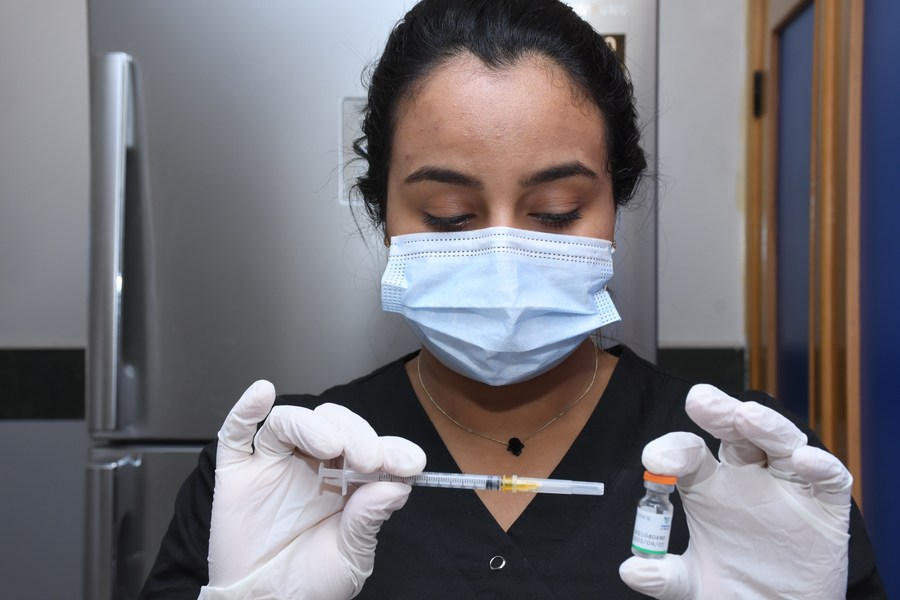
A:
(769, 521)
(276, 532)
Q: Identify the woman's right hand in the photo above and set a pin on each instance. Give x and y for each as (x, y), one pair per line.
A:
(276, 532)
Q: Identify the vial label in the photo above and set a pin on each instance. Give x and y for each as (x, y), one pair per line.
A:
(651, 532)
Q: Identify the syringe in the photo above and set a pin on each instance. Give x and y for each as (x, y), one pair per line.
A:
(462, 481)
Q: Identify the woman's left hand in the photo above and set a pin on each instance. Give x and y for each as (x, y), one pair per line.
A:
(769, 519)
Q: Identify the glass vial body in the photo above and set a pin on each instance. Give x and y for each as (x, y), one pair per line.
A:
(653, 522)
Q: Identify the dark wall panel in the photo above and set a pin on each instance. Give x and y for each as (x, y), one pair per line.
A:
(880, 283)
(42, 384)
(795, 63)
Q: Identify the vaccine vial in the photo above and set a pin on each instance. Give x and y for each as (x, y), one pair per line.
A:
(654, 517)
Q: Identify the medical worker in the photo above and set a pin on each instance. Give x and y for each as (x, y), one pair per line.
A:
(501, 141)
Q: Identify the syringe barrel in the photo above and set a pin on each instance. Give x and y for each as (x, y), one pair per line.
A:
(448, 480)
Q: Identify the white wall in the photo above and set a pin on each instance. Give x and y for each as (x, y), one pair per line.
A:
(702, 105)
(43, 173)
(43, 283)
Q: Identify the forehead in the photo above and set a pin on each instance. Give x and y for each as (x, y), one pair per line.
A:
(531, 106)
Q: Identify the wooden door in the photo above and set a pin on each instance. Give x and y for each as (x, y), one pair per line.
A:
(803, 213)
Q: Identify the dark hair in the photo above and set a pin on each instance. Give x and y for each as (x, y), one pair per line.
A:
(499, 33)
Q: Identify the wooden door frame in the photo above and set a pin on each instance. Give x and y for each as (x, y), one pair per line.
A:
(834, 380)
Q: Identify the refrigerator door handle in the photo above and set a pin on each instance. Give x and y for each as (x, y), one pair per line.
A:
(99, 535)
(112, 134)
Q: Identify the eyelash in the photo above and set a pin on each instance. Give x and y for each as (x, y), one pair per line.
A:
(454, 223)
(457, 222)
(557, 220)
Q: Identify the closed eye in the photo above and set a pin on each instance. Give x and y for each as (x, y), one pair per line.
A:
(557, 220)
(451, 223)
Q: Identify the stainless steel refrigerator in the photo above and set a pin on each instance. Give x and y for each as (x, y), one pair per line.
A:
(224, 247)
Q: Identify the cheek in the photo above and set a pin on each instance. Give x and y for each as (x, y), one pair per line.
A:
(600, 219)
(390, 210)
(608, 224)
(396, 216)
(604, 229)
(390, 227)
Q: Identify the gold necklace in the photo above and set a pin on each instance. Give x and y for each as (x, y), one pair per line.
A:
(514, 445)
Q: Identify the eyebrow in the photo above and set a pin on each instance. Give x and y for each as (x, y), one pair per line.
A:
(449, 176)
(441, 175)
(556, 172)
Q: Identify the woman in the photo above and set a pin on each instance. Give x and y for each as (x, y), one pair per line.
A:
(501, 138)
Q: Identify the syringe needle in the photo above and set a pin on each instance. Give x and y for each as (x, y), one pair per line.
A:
(462, 481)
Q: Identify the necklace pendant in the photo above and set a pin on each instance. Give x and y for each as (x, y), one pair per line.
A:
(515, 446)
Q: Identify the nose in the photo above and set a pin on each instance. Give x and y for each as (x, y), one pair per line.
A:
(505, 215)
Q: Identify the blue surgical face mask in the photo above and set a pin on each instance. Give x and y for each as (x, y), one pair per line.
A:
(499, 305)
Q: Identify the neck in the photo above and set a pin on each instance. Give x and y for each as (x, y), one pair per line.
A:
(514, 409)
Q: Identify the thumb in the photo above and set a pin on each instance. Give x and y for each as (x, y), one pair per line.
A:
(239, 428)
(667, 578)
(369, 506)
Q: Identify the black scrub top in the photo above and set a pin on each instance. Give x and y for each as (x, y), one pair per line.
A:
(443, 543)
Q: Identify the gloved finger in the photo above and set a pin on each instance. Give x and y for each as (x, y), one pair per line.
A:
(362, 448)
(773, 433)
(681, 454)
(237, 432)
(369, 506)
(714, 411)
(290, 427)
(401, 456)
(830, 479)
(666, 579)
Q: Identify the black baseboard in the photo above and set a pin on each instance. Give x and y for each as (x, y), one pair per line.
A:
(721, 367)
(49, 383)
(42, 383)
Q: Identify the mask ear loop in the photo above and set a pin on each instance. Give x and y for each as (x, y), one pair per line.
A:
(598, 335)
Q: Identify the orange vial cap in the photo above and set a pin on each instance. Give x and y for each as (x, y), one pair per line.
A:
(661, 479)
